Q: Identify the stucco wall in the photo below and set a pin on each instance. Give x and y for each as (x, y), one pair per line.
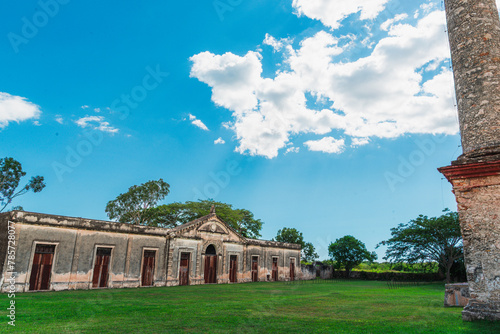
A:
(76, 241)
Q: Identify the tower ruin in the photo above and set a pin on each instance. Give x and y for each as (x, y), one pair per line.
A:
(474, 34)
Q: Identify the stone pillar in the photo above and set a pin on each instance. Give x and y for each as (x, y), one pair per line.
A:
(474, 34)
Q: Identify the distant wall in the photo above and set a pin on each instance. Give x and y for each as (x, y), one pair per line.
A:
(327, 272)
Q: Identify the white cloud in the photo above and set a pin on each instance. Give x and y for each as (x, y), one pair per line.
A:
(292, 150)
(276, 44)
(219, 141)
(197, 122)
(326, 144)
(16, 109)
(96, 123)
(359, 142)
(385, 94)
(97, 109)
(331, 13)
(84, 107)
(59, 119)
(385, 26)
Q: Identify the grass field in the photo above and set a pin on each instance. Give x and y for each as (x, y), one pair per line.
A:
(338, 307)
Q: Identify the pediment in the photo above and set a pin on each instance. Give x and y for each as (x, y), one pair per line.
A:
(213, 226)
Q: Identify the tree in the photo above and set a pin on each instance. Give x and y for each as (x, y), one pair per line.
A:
(309, 253)
(290, 235)
(11, 173)
(348, 252)
(427, 239)
(174, 214)
(293, 236)
(135, 206)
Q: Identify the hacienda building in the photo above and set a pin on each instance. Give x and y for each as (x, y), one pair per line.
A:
(49, 252)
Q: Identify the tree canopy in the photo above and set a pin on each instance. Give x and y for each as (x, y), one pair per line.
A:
(11, 173)
(293, 236)
(135, 206)
(171, 215)
(139, 205)
(348, 252)
(427, 239)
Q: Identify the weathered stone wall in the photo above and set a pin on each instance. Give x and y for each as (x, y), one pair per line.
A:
(76, 241)
(474, 34)
(478, 201)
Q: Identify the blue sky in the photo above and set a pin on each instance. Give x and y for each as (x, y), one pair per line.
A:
(327, 116)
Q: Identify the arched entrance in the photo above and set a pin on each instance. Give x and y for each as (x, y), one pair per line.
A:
(210, 265)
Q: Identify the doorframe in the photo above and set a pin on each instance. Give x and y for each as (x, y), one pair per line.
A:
(229, 254)
(277, 267)
(109, 268)
(30, 264)
(157, 251)
(294, 260)
(258, 267)
(190, 252)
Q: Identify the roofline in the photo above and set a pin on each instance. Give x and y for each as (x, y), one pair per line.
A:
(37, 218)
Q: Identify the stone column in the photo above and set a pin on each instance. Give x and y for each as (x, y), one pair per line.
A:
(474, 34)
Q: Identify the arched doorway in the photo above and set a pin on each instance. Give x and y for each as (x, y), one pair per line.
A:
(210, 265)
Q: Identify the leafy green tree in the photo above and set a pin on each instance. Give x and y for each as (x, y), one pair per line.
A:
(290, 235)
(135, 206)
(427, 239)
(309, 252)
(293, 236)
(11, 173)
(348, 252)
(242, 220)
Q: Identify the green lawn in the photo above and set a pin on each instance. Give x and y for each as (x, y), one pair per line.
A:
(339, 307)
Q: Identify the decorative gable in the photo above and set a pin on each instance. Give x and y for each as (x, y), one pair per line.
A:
(213, 227)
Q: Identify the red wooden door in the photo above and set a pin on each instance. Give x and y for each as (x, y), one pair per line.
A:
(255, 269)
(210, 268)
(101, 268)
(233, 268)
(292, 270)
(148, 267)
(275, 269)
(42, 267)
(184, 269)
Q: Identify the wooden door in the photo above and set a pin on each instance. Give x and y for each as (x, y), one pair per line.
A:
(275, 269)
(255, 268)
(184, 269)
(41, 268)
(101, 268)
(292, 270)
(210, 268)
(233, 268)
(148, 267)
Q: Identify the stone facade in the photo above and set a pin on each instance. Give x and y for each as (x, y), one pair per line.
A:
(474, 34)
(72, 250)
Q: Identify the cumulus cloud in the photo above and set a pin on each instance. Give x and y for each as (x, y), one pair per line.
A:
(96, 123)
(219, 141)
(16, 109)
(59, 119)
(402, 87)
(326, 144)
(197, 122)
(331, 13)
